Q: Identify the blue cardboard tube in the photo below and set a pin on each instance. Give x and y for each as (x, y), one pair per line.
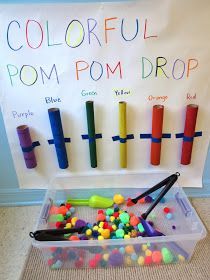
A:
(59, 140)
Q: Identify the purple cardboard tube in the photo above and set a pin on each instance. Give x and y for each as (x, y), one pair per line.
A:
(27, 146)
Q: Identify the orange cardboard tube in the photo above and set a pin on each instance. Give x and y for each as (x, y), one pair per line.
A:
(157, 125)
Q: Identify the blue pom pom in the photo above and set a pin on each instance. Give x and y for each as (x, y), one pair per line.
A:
(121, 225)
(72, 255)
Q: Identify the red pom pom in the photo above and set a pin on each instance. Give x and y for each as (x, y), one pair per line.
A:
(92, 263)
(129, 202)
(79, 263)
(105, 226)
(68, 206)
(53, 249)
(148, 260)
(110, 228)
(50, 262)
(100, 211)
(81, 253)
(116, 214)
(58, 224)
(166, 210)
(101, 217)
(64, 256)
(115, 251)
(68, 220)
(98, 257)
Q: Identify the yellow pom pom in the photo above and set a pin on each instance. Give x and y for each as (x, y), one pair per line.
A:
(73, 221)
(141, 260)
(181, 258)
(100, 230)
(95, 228)
(114, 227)
(68, 225)
(105, 233)
(100, 237)
(126, 236)
(101, 224)
(148, 253)
(128, 260)
(105, 257)
(144, 247)
(112, 218)
(118, 199)
(88, 232)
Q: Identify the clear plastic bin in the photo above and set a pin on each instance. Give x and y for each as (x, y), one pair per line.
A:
(182, 232)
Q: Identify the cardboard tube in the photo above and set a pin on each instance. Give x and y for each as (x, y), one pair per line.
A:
(26, 145)
(157, 125)
(59, 141)
(91, 133)
(123, 134)
(189, 131)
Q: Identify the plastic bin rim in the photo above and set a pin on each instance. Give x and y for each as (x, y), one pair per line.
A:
(122, 242)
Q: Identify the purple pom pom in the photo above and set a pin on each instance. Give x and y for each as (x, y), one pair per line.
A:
(148, 199)
(80, 223)
(83, 237)
(116, 259)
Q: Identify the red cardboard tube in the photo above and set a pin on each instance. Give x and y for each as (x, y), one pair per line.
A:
(157, 125)
(189, 131)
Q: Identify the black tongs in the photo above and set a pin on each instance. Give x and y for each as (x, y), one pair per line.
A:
(167, 182)
(54, 234)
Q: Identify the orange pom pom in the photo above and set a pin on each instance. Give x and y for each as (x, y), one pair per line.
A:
(74, 238)
(62, 210)
(142, 200)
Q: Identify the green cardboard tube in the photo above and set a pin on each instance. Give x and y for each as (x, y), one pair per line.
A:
(91, 133)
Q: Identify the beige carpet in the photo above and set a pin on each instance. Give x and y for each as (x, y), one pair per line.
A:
(197, 269)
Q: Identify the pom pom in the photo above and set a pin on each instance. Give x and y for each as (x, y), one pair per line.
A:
(118, 199)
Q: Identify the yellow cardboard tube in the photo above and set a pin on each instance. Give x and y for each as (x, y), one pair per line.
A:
(123, 134)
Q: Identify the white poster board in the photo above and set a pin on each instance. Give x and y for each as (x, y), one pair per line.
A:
(144, 53)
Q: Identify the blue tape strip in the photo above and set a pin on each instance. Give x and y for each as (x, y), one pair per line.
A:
(188, 139)
(166, 135)
(29, 149)
(145, 136)
(91, 139)
(155, 140)
(52, 141)
(123, 140)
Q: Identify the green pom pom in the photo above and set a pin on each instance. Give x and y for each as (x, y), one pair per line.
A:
(103, 263)
(109, 212)
(120, 233)
(117, 222)
(140, 228)
(112, 234)
(167, 255)
(56, 218)
(124, 218)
